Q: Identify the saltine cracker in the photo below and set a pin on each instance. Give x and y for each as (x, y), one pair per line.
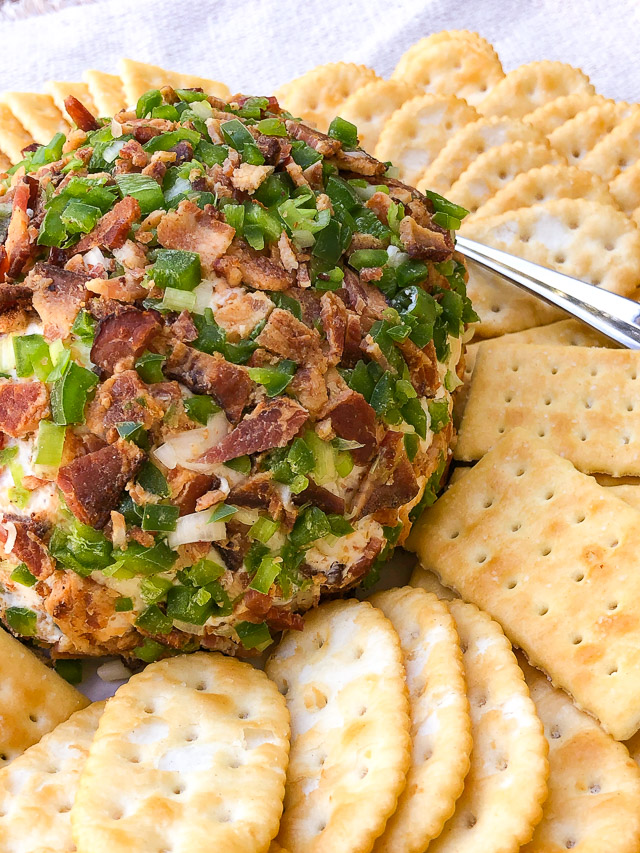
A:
(106, 90)
(13, 136)
(37, 113)
(139, 77)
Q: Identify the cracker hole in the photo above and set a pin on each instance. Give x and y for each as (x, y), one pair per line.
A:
(322, 826)
(148, 709)
(454, 534)
(595, 788)
(243, 715)
(613, 670)
(622, 163)
(502, 764)
(358, 653)
(548, 496)
(63, 808)
(547, 401)
(543, 610)
(596, 282)
(471, 821)
(515, 527)
(626, 439)
(480, 701)
(448, 125)
(201, 685)
(501, 430)
(570, 843)
(508, 398)
(464, 647)
(496, 309)
(573, 225)
(33, 718)
(488, 503)
(191, 736)
(178, 789)
(363, 772)
(545, 551)
(318, 641)
(576, 640)
(525, 237)
(593, 371)
(520, 472)
(362, 711)
(512, 584)
(630, 407)
(514, 367)
(576, 155)
(583, 436)
(578, 577)
(580, 518)
(560, 259)
(542, 432)
(554, 370)
(502, 175)
(614, 543)
(480, 149)
(588, 404)
(608, 247)
(613, 605)
(117, 814)
(555, 733)
(481, 558)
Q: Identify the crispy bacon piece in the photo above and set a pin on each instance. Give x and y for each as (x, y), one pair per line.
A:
(244, 264)
(238, 310)
(202, 373)
(323, 144)
(113, 228)
(15, 305)
(365, 299)
(391, 481)
(124, 288)
(273, 423)
(288, 337)
(370, 554)
(260, 608)
(322, 498)
(28, 546)
(123, 397)
(309, 388)
(353, 419)
(196, 230)
(22, 406)
(18, 245)
(274, 149)
(187, 486)
(352, 340)
(184, 328)
(80, 115)
(258, 492)
(92, 484)
(425, 243)
(380, 203)
(423, 367)
(359, 162)
(58, 295)
(334, 322)
(122, 338)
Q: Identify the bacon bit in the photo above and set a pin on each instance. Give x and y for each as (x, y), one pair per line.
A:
(142, 537)
(371, 274)
(196, 230)
(314, 176)
(188, 487)
(309, 388)
(287, 255)
(303, 278)
(334, 322)
(113, 228)
(58, 295)
(320, 497)
(15, 304)
(122, 338)
(75, 138)
(423, 367)
(380, 203)
(273, 423)
(352, 340)
(210, 499)
(353, 419)
(123, 288)
(80, 115)
(131, 256)
(92, 484)
(22, 406)
(119, 530)
(133, 153)
(31, 483)
(391, 480)
(425, 243)
(323, 144)
(145, 234)
(247, 178)
(244, 264)
(123, 397)
(184, 328)
(274, 149)
(295, 173)
(359, 162)
(18, 245)
(27, 545)
(288, 337)
(260, 608)
(365, 299)
(202, 373)
(239, 311)
(371, 552)
(323, 202)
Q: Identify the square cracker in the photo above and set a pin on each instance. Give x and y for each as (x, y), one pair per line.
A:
(13, 136)
(33, 698)
(60, 90)
(553, 557)
(583, 401)
(37, 113)
(139, 77)
(106, 90)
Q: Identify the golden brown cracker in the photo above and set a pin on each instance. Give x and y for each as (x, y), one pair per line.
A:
(551, 555)
(60, 90)
(343, 678)
(578, 136)
(419, 47)
(371, 105)
(5, 162)
(415, 134)
(13, 136)
(106, 90)
(530, 86)
(424, 579)
(440, 723)
(594, 786)
(617, 150)
(554, 113)
(36, 113)
(625, 188)
(139, 77)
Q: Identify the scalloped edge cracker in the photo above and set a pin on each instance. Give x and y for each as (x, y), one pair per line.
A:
(472, 141)
(428, 581)
(190, 754)
(318, 94)
(440, 722)
(139, 77)
(554, 113)
(546, 183)
(37, 113)
(506, 784)
(343, 678)
(530, 86)
(581, 238)
(578, 136)
(423, 44)
(106, 90)
(38, 788)
(414, 135)
(62, 89)
(552, 556)
(373, 104)
(618, 150)
(13, 136)
(594, 785)
(494, 169)
(625, 188)
(33, 698)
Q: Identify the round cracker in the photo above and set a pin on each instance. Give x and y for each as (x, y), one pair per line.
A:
(415, 134)
(594, 786)
(318, 95)
(440, 723)
(506, 784)
(555, 113)
(530, 86)
(470, 142)
(616, 151)
(343, 678)
(465, 67)
(625, 188)
(373, 104)
(545, 184)
(494, 169)
(190, 755)
(582, 133)
(426, 579)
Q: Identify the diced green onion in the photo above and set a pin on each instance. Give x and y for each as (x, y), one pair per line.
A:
(299, 484)
(200, 407)
(166, 141)
(166, 111)
(253, 636)
(153, 480)
(222, 512)
(362, 258)
(263, 529)
(251, 154)
(154, 620)
(160, 517)
(268, 571)
(242, 464)
(23, 576)
(414, 414)
(275, 189)
(303, 222)
(273, 379)
(69, 394)
(50, 444)
(144, 189)
(22, 620)
(70, 670)
(236, 134)
(267, 222)
(52, 231)
(328, 248)
(32, 356)
(7, 355)
(149, 367)
(411, 445)
(48, 153)
(147, 102)
(154, 589)
(324, 469)
(150, 651)
(138, 560)
(411, 272)
(123, 604)
(331, 280)
(254, 237)
(84, 327)
(341, 193)
(177, 300)
(80, 218)
(176, 269)
(343, 130)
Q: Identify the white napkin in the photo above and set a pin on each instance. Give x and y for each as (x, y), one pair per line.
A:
(255, 45)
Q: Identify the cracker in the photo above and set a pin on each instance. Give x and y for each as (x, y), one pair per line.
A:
(467, 68)
(627, 493)
(5, 163)
(424, 579)
(37, 113)
(545, 184)
(495, 168)
(418, 47)
(318, 95)
(625, 188)
(552, 556)
(414, 135)
(350, 748)
(506, 784)
(190, 755)
(106, 90)
(13, 136)
(60, 90)
(440, 723)
(470, 142)
(594, 786)
(617, 150)
(581, 238)
(578, 136)
(38, 788)
(372, 104)
(555, 113)
(139, 77)
(581, 400)
(33, 698)
(530, 86)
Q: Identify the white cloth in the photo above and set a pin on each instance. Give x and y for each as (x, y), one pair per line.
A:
(255, 45)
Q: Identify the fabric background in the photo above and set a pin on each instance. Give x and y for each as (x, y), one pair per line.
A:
(254, 45)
